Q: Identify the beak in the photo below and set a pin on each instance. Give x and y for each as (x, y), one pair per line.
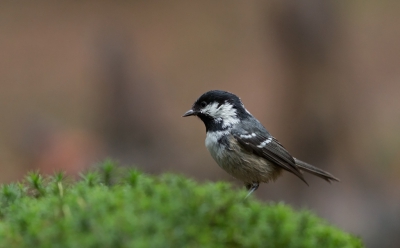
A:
(189, 113)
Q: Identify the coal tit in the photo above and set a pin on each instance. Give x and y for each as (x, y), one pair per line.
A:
(241, 145)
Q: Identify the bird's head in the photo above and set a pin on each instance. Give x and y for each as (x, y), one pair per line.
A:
(218, 110)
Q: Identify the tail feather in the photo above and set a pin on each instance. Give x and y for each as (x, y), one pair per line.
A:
(315, 171)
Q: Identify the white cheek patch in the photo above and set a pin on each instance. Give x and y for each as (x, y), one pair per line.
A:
(264, 143)
(210, 109)
(225, 113)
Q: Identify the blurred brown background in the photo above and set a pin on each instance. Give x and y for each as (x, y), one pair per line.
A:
(81, 81)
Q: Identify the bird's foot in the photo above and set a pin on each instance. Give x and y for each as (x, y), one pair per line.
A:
(251, 187)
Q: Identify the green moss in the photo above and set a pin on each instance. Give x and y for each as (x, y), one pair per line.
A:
(113, 207)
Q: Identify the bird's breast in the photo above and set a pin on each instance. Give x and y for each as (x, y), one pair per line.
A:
(214, 146)
(238, 162)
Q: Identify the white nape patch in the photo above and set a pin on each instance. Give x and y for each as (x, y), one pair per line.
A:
(246, 109)
(224, 113)
(264, 143)
(247, 136)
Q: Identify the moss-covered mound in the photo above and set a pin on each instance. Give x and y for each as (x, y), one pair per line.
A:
(113, 207)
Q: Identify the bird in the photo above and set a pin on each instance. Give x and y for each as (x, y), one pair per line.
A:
(242, 146)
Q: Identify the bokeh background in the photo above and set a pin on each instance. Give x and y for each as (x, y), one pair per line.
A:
(81, 81)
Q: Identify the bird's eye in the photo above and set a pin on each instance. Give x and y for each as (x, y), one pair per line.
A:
(203, 104)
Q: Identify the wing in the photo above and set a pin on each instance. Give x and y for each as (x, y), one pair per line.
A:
(258, 141)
